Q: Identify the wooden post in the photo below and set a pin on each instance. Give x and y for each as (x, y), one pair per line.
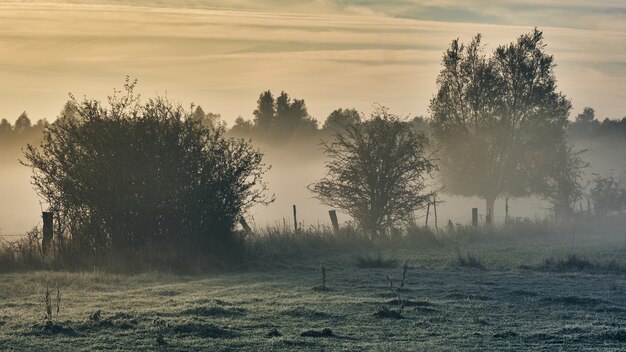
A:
(506, 210)
(295, 220)
(245, 225)
(475, 217)
(333, 219)
(48, 232)
(427, 212)
(435, 210)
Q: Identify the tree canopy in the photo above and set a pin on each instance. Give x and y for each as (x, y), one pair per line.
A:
(497, 119)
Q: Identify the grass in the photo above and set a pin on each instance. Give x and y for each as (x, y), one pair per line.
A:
(566, 305)
(378, 261)
(575, 262)
(469, 261)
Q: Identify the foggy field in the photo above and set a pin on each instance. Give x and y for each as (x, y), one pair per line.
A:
(513, 302)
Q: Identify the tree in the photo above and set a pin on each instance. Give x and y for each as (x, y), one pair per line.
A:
(563, 186)
(209, 120)
(265, 111)
(22, 124)
(587, 116)
(497, 119)
(607, 196)
(145, 178)
(5, 128)
(292, 116)
(376, 172)
(340, 118)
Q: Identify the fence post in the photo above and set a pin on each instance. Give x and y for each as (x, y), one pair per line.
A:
(475, 217)
(48, 232)
(333, 219)
(245, 225)
(295, 220)
(506, 211)
(435, 210)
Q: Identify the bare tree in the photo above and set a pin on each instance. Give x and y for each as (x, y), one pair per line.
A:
(376, 172)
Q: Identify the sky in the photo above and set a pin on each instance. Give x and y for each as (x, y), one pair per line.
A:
(333, 53)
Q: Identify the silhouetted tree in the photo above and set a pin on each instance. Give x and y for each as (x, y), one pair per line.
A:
(242, 128)
(131, 176)
(5, 128)
(292, 116)
(497, 119)
(376, 172)
(607, 196)
(265, 111)
(587, 116)
(22, 124)
(340, 118)
(209, 120)
(563, 185)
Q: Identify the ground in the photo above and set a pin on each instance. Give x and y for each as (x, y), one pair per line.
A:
(510, 304)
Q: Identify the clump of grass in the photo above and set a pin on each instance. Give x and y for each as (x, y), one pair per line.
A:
(469, 261)
(575, 262)
(387, 313)
(367, 262)
(326, 332)
(203, 330)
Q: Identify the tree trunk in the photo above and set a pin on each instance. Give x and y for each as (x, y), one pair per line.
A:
(489, 207)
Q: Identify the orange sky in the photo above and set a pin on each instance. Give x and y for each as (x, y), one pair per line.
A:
(222, 54)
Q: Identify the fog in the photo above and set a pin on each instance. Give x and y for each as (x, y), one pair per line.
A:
(293, 167)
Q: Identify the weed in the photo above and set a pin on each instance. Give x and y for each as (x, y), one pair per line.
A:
(405, 268)
(273, 333)
(469, 261)
(575, 262)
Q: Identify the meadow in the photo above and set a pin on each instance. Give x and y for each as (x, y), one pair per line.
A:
(502, 291)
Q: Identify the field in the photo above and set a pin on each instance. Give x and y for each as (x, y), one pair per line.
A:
(500, 294)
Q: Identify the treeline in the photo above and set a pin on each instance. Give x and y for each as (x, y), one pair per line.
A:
(131, 180)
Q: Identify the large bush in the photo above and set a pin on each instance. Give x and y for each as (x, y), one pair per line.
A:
(131, 177)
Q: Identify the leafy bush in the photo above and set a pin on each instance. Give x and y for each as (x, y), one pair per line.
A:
(131, 178)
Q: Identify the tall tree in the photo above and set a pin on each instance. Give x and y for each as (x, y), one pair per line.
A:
(22, 124)
(496, 119)
(265, 111)
(5, 127)
(341, 118)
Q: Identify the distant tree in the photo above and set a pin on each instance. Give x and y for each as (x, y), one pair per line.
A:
(587, 116)
(292, 116)
(242, 127)
(148, 177)
(376, 172)
(564, 183)
(265, 111)
(421, 124)
(607, 195)
(209, 120)
(340, 118)
(497, 119)
(5, 127)
(22, 124)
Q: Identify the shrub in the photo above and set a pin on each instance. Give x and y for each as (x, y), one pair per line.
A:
(144, 179)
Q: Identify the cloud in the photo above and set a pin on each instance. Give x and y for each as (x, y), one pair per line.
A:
(332, 53)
